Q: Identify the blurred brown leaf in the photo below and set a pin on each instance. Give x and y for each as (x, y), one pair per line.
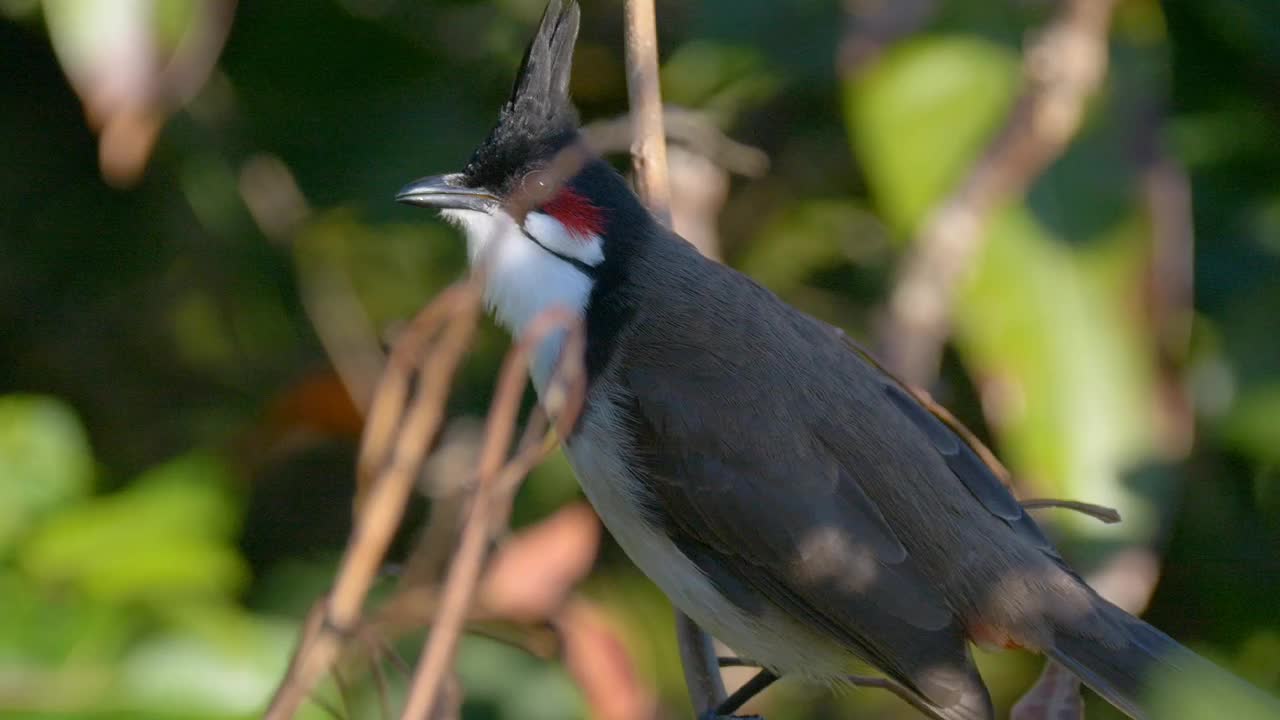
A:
(599, 662)
(532, 574)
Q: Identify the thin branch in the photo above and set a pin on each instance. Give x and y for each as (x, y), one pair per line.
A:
(488, 510)
(866, 681)
(649, 159)
(883, 683)
(1170, 274)
(452, 316)
(1102, 513)
(649, 146)
(1061, 70)
(685, 127)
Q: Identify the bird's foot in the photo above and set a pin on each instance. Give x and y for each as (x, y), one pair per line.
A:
(749, 689)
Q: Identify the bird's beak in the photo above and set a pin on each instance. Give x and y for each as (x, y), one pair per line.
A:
(446, 192)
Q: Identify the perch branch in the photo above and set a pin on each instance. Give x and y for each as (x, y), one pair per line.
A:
(649, 142)
(649, 159)
(1061, 70)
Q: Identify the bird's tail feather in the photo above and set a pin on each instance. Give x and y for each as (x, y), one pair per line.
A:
(1129, 677)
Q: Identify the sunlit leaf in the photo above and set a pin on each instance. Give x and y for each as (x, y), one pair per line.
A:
(920, 117)
(1067, 384)
(45, 461)
(1046, 320)
(40, 629)
(168, 534)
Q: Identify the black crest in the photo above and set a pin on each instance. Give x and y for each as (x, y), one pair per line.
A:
(538, 119)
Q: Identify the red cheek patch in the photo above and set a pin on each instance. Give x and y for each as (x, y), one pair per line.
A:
(576, 213)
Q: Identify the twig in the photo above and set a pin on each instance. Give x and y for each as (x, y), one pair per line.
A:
(487, 509)
(883, 683)
(685, 127)
(649, 144)
(1170, 274)
(1102, 513)
(649, 159)
(1061, 70)
(866, 681)
(453, 315)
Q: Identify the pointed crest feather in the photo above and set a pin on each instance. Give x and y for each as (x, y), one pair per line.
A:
(543, 79)
(538, 119)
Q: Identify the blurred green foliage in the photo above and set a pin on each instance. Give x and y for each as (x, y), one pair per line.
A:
(175, 461)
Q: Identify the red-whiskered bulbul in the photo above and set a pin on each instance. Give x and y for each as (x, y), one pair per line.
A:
(784, 492)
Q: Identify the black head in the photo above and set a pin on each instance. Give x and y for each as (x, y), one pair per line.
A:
(537, 121)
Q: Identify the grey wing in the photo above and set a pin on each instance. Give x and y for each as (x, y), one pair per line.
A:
(963, 461)
(973, 473)
(780, 520)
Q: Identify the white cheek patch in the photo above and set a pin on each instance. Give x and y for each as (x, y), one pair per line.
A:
(525, 280)
(551, 233)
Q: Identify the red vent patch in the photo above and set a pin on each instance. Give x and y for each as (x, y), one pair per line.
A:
(578, 214)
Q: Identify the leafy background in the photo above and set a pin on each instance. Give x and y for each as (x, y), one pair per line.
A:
(176, 455)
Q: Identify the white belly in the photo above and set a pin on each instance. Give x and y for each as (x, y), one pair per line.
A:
(770, 638)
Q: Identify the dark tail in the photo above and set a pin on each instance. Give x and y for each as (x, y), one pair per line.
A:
(1131, 677)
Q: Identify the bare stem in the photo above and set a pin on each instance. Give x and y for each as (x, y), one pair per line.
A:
(398, 457)
(649, 143)
(491, 506)
(649, 159)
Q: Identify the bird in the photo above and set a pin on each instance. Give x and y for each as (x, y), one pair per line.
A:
(782, 489)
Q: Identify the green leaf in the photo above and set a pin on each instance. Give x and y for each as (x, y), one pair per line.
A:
(44, 630)
(169, 533)
(45, 461)
(1045, 320)
(920, 117)
(1072, 385)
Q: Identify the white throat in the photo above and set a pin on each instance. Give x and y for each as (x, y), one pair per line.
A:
(526, 278)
